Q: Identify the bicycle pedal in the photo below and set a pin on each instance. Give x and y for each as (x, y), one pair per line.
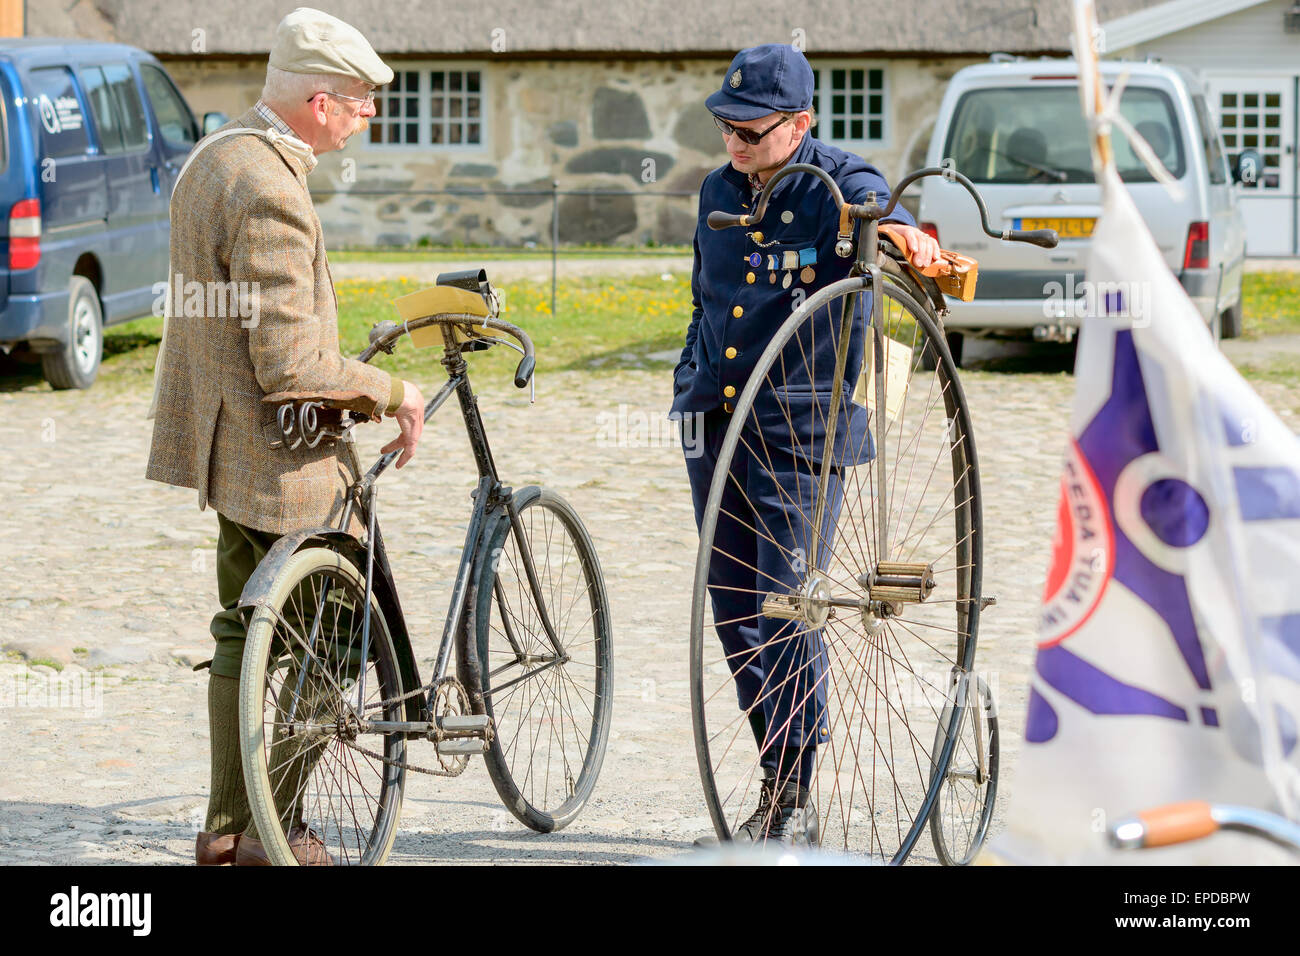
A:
(476, 724)
(461, 745)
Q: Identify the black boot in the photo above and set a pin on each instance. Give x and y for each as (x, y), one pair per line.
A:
(794, 821)
(752, 829)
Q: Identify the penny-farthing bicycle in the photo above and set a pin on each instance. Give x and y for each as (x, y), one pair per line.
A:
(876, 612)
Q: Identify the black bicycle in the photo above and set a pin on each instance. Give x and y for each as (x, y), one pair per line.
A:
(880, 623)
(330, 694)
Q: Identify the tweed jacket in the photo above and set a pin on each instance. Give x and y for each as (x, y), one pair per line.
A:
(242, 214)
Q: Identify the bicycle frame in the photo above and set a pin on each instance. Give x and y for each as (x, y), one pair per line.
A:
(493, 501)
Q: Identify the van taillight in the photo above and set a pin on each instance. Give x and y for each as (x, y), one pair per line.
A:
(1197, 255)
(931, 229)
(25, 234)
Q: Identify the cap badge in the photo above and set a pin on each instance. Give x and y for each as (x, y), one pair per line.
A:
(735, 80)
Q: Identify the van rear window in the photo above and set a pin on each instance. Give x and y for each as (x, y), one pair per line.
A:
(63, 127)
(1028, 134)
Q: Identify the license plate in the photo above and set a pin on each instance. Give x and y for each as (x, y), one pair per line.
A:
(1065, 228)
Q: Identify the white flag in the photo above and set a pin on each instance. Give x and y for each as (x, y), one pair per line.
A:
(1168, 662)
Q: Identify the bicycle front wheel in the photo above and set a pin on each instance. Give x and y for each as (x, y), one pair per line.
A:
(837, 586)
(320, 790)
(548, 689)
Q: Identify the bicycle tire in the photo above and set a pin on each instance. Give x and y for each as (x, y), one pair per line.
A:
(534, 702)
(728, 798)
(960, 823)
(324, 799)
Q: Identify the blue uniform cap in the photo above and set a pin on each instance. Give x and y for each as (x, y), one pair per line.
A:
(772, 78)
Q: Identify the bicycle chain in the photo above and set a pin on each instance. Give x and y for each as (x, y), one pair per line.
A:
(403, 764)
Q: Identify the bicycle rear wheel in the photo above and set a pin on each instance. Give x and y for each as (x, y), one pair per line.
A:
(550, 708)
(963, 808)
(300, 698)
(840, 637)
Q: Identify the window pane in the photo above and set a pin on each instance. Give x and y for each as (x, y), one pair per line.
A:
(135, 132)
(876, 103)
(837, 103)
(435, 133)
(855, 104)
(437, 80)
(855, 79)
(63, 128)
(436, 105)
(837, 129)
(855, 129)
(876, 79)
(472, 81)
(1228, 100)
(875, 129)
(455, 106)
(455, 80)
(471, 106)
(837, 79)
(105, 113)
(174, 117)
(1250, 99)
(1273, 99)
(474, 133)
(455, 133)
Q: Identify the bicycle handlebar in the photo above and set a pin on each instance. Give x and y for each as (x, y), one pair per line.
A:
(1183, 822)
(392, 331)
(1047, 238)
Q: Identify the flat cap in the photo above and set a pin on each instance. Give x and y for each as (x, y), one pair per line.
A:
(310, 41)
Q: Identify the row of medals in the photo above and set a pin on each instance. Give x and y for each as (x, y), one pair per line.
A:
(788, 262)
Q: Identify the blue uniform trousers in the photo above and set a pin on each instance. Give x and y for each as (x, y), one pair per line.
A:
(763, 543)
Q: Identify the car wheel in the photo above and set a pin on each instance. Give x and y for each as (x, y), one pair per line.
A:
(76, 363)
(1216, 327)
(1230, 322)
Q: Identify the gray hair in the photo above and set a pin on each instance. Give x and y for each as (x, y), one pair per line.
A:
(283, 88)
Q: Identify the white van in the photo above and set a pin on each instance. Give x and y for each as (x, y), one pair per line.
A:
(1015, 128)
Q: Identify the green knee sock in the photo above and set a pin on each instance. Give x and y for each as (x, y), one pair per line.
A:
(227, 802)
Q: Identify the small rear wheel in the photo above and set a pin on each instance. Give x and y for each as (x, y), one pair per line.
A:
(550, 697)
(963, 808)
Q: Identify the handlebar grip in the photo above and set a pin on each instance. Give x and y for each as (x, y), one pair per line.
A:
(524, 371)
(1178, 823)
(725, 220)
(1047, 238)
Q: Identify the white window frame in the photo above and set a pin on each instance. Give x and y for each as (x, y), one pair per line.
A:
(823, 69)
(425, 119)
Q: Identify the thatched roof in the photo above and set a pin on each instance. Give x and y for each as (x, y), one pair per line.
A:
(591, 27)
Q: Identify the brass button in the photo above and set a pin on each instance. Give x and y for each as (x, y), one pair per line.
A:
(731, 351)
(737, 311)
(749, 277)
(758, 236)
(729, 391)
(726, 407)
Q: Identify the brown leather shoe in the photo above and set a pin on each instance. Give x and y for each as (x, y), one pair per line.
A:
(306, 846)
(215, 849)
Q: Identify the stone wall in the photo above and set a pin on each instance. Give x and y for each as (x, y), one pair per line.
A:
(634, 129)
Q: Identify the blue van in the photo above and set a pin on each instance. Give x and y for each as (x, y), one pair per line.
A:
(92, 136)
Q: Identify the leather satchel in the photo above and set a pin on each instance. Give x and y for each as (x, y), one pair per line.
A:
(954, 273)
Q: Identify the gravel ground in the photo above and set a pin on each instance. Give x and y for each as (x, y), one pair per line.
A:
(111, 577)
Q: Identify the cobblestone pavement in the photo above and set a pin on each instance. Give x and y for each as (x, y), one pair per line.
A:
(111, 577)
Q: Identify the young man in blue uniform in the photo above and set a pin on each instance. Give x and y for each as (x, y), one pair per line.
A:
(744, 286)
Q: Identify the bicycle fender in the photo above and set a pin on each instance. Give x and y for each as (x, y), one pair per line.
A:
(259, 584)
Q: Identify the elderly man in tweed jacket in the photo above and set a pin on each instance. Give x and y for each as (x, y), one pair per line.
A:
(241, 214)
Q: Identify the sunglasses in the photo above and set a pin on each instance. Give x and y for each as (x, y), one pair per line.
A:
(750, 137)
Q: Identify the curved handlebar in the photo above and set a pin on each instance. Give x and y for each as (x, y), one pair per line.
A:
(523, 371)
(1193, 820)
(1046, 238)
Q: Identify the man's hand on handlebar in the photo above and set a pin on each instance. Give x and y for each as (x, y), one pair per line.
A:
(922, 249)
(410, 419)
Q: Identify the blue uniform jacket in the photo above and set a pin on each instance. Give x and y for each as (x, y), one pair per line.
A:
(738, 307)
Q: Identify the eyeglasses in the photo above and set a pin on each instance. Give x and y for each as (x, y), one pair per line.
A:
(368, 99)
(749, 136)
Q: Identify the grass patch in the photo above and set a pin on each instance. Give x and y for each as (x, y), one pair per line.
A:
(47, 662)
(469, 253)
(605, 324)
(1271, 304)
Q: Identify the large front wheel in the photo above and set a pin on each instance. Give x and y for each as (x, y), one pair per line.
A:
(837, 582)
(544, 669)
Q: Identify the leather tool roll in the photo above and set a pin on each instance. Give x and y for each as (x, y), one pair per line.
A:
(955, 274)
